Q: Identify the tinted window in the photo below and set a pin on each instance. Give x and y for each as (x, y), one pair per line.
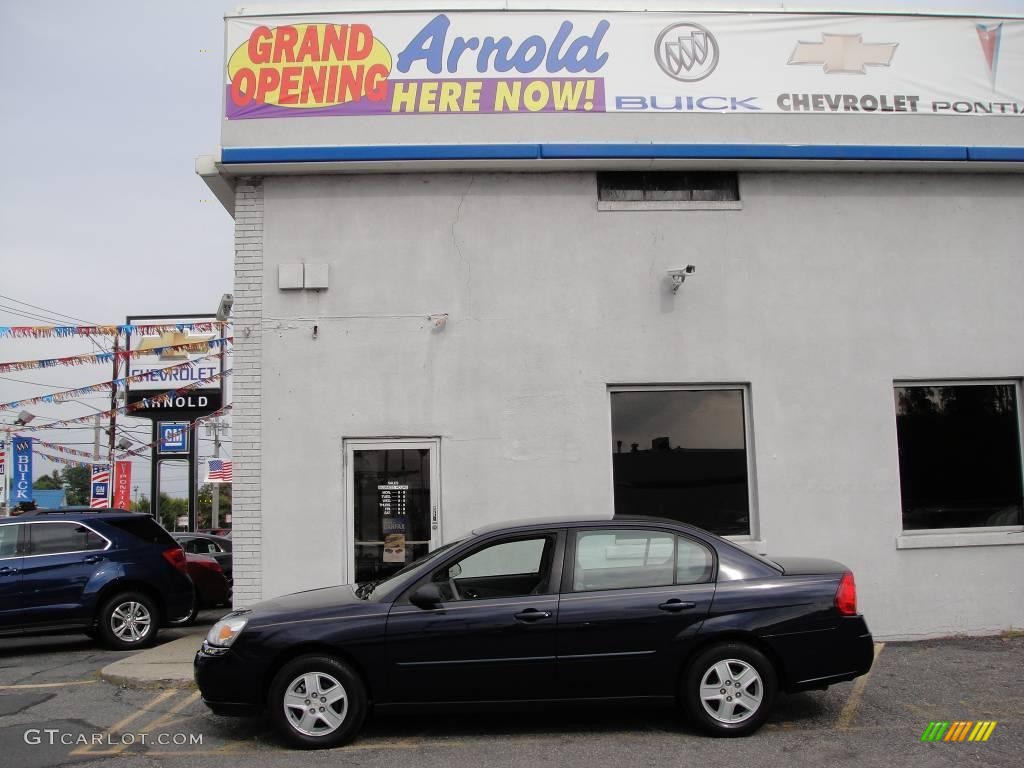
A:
(505, 569)
(196, 546)
(9, 540)
(620, 559)
(682, 454)
(54, 538)
(693, 562)
(145, 528)
(959, 455)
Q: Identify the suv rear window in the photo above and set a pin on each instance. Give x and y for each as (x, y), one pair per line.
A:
(145, 528)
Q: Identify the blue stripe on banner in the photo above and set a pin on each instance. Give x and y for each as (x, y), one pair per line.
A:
(612, 151)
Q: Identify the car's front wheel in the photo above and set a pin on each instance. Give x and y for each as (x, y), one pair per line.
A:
(729, 688)
(128, 621)
(317, 702)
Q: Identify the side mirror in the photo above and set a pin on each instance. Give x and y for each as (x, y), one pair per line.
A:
(426, 597)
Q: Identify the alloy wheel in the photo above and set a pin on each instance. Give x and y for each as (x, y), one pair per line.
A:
(131, 622)
(315, 704)
(731, 691)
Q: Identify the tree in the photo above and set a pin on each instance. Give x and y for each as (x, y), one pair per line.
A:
(49, 482)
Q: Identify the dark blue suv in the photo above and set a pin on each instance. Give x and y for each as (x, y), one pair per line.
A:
(114, 575)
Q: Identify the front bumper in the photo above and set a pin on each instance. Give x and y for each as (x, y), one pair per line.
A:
(228, 683)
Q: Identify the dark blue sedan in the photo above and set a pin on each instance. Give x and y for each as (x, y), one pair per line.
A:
(549, 610)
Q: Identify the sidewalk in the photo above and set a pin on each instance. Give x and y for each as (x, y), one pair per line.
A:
(168, 665)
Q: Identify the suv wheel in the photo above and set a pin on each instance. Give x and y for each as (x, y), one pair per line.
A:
(317, 702)
(128, 621)
(729, 689)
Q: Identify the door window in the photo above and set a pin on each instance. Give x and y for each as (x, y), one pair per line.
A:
(58, 538)
(506, 569)
(9, 540)
(620, 559)
(197, 546)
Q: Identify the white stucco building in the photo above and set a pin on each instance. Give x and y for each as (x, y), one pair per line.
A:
(446, 319)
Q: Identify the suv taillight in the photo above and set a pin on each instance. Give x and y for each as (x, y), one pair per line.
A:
(846, 595)
(176, 557)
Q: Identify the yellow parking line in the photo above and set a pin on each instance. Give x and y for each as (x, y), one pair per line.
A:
(850, 708)
(44, 685)
(122, 724)
(163, 720)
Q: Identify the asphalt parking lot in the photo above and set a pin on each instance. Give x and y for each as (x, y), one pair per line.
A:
(52, 683)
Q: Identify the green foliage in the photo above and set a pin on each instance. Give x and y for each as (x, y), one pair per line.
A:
(49, 482)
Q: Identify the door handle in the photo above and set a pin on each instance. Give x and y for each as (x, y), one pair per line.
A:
(675, 605)
(7, 569)
(92, 559)
(532, 614)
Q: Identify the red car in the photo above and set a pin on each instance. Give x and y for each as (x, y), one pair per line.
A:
(211, 585)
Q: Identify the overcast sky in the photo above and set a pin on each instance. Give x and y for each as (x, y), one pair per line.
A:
(105, 107)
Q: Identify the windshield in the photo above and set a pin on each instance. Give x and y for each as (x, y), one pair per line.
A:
(368, 589)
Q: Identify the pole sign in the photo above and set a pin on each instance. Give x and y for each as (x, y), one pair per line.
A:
(99, 486)
(163, 369)
(21, 489)
(122, 485)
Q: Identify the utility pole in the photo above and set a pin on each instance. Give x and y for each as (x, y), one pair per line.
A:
(215, 427)
(96, 429)
(113, 405)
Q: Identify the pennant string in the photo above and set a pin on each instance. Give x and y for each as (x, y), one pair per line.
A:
(68, 331)
(107, 357)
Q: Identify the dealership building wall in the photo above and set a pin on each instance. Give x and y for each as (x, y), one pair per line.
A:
(817, 295)
(454, 280)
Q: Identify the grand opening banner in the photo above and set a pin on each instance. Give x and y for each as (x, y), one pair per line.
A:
(376, 64)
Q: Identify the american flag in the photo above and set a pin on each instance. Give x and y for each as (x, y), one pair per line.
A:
(220, 471)
(100, 474)
(2, 449)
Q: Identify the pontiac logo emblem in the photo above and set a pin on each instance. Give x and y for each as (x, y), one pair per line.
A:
(686, 52)
(843, 54)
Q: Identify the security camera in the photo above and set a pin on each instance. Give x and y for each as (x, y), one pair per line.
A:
(678, 276)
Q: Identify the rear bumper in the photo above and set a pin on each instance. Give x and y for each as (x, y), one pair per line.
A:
(820, 658)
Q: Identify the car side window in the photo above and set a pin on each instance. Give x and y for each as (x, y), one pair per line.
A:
(505, 569)
(197, 546)
(622, 559)
(9, 540)
(57, 538)
(694, 564)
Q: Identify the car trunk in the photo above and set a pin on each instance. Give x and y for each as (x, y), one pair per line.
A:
(805, 566)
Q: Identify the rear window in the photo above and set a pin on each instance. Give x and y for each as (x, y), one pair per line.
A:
(143, 527)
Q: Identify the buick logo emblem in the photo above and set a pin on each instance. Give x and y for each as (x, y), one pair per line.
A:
(686, 52)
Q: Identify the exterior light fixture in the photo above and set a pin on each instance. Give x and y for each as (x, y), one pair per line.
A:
(678, 276)
(23, 418)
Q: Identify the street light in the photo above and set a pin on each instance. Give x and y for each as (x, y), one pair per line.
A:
(226, 302)
(124, 443)
(23, 418)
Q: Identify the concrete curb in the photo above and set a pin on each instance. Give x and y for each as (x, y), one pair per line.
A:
(166, 666)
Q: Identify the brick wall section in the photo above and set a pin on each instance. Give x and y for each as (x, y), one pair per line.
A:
(246, 508)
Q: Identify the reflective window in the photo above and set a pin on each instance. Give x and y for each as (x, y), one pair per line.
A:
(619, 559)
(9, 540)
(959, 455)
(55, 538)
(682, 454)
(506, 569)
(693, 562)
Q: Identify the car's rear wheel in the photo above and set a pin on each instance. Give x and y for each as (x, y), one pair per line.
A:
(127, 621)
(729, 689)
(317, 702)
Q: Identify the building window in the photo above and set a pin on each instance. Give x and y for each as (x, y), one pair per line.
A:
(959, 454)
(667, 191)
(681, 453)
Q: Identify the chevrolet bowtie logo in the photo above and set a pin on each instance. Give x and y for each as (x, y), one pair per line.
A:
(843, 54)
(173, 339)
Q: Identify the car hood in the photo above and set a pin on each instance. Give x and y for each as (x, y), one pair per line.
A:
(311, 604)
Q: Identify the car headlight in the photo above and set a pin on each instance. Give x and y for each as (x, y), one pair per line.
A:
(224, 632)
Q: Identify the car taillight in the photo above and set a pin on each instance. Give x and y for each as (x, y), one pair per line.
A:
(846, 595)
(176, 557)
(212, 564)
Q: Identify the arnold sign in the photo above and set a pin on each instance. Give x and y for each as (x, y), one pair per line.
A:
(391, 64)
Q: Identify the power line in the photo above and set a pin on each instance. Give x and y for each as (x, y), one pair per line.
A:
(49, 311)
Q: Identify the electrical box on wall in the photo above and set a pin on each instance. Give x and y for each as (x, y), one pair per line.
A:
(315, 277)
(289, 277)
